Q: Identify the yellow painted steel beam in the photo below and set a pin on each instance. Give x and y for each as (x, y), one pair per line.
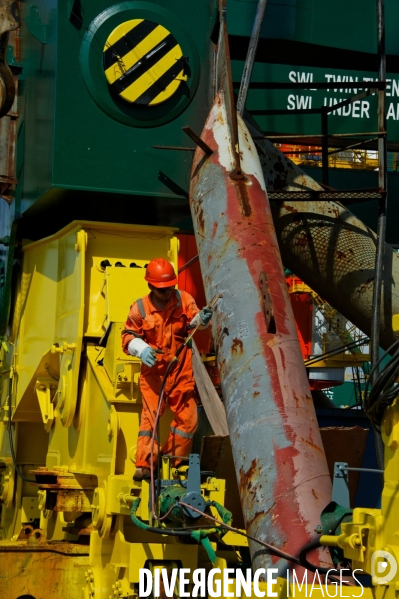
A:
(340, 361)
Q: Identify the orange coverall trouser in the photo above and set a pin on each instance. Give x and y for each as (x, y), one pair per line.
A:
(182, 428)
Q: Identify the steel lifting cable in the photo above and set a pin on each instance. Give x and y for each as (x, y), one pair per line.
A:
(384, 388)
(267, 546)
(187, 532)
(271, 548)
(188, 264)
(154, 432)
(338, 350)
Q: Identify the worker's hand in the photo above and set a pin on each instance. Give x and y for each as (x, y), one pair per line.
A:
(149, 356)
(205, 316)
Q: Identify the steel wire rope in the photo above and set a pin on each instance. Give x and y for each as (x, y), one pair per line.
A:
(156, 431)
(332, 352)
(184, 345)
(390, 349)
(267, 546)
(186, 532)
(384, 388)
(271, 548)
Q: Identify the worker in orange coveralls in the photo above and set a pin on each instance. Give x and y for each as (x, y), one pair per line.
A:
(159, 323)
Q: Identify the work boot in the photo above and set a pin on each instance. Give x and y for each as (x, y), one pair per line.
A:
(142, 474)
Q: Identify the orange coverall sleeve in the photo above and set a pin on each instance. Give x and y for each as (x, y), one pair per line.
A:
(191, 307)
(134, 322)
(202, 337)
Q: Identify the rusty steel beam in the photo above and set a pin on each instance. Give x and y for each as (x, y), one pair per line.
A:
(280, 465)
(249, 61)
(328, 247)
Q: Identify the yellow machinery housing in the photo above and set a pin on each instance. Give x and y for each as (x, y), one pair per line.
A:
(74, 403)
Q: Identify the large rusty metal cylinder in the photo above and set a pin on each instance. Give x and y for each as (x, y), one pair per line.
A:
(280, 465)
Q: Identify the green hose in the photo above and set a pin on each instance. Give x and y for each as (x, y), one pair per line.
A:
(133, 516)
(225, 515)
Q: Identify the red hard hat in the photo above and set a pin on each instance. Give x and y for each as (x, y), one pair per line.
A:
(160, 273)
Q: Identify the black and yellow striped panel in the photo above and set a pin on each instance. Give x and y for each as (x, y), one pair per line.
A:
(143, 62)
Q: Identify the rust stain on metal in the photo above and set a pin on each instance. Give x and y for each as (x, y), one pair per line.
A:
(242, 193)
(62, 479)
(302, 240)
(289, 208)
(314, 494)
(255, 393)
(246, 477)
(256, 516)
(296, 399)
(313, 445)
(201, 219)
(214, 229)
(363, 288)
(237, 346)
(267, 302)
(25, 532)
(282, 356)
(53, 569)
(219, 116)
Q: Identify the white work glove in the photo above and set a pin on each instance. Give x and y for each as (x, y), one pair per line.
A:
(141, 349)
(202, 318)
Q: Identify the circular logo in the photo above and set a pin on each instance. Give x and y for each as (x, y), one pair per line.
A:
(383, 567)
(143, 62)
